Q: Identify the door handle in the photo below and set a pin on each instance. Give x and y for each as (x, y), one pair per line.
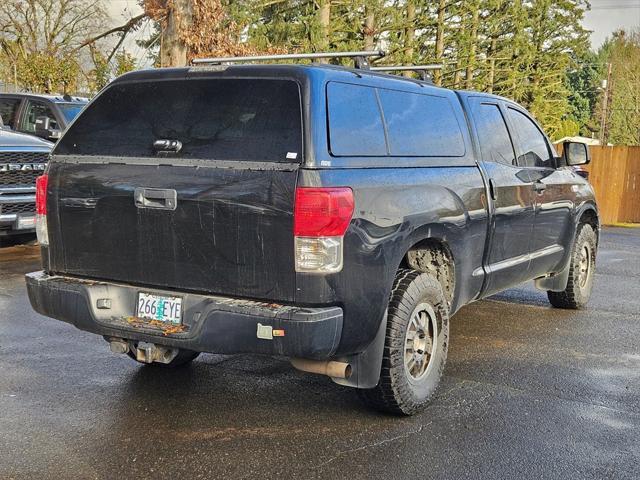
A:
(492, 190)
(73, 202)
(539, 187)
(164, 199)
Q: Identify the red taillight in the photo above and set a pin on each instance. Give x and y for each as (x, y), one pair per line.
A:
(322, 212)
(41, 194)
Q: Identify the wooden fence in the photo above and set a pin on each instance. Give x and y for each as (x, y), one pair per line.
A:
(614, 173)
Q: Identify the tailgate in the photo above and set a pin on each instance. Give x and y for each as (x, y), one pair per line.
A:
(214, 216)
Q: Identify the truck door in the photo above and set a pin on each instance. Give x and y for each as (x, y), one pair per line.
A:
(553, 194)
(512, 199)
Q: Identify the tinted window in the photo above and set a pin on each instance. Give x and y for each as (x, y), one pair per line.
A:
(70, 110)
(355, 123)
(225, 119)
(34, 110)
(495, 142)
(421, 125)
(8, 110)
(533, 151)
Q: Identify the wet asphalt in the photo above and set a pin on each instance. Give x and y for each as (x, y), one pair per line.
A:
(528, 392)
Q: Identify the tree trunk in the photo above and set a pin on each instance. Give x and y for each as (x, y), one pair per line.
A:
(437, 75)
(492, 66)
(178, 19)
(410, 33)
(324, 23)
(471, 63)
(369, 27)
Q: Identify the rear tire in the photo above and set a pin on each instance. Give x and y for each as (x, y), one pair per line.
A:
(581, 271)
(184, 357)
(416, 344)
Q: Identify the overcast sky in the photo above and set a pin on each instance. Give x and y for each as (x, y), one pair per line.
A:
(604, 17)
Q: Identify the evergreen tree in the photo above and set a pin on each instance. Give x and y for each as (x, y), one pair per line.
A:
(521, 49)
(622, 124)
(583, 83)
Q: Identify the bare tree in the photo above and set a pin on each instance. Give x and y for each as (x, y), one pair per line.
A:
(54, 27)
(39, 38)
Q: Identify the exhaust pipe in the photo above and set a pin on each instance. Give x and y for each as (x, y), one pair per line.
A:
(143, 352)
(149, 353)
(329, 368)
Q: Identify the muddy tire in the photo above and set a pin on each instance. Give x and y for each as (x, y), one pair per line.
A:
(416, 344)
(184, 357)
(581, 271)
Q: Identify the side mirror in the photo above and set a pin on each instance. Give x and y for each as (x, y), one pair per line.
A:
(575, 153)
(45, 130)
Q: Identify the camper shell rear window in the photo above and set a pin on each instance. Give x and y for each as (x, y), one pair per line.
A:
(217, 119)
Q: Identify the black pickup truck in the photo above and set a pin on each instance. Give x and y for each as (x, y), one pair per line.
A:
(335, 216)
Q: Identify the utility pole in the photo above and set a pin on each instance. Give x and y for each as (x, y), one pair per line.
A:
(605, 106)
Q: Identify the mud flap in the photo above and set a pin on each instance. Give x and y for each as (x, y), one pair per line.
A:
(367, 364)
(556, 282)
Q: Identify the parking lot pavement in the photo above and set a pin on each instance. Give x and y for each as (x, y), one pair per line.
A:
(528, 392)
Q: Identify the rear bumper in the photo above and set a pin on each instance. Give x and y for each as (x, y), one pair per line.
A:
(210, 324)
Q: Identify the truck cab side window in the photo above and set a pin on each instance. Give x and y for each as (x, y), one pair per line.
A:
(35, 110)
(495, 142)
(534, 150)
(8, 110)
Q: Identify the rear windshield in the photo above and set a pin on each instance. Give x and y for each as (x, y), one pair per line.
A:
(222, 119)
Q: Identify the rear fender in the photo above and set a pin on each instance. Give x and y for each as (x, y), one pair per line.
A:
(395, 210)
(366, 364)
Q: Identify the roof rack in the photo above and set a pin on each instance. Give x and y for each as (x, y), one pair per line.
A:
(359, 57)
(423, 70)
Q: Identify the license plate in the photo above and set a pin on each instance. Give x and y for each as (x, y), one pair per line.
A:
(157, 307)
(24, 222)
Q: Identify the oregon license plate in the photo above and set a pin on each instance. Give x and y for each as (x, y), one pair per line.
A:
(157, 307)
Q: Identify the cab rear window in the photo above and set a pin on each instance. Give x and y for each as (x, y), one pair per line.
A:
(222, 119)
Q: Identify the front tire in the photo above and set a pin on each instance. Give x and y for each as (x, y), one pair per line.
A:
(416, 344)
(581, 271)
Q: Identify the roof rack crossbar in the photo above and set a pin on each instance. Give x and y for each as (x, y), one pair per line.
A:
(360, 57)
(421, 69)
